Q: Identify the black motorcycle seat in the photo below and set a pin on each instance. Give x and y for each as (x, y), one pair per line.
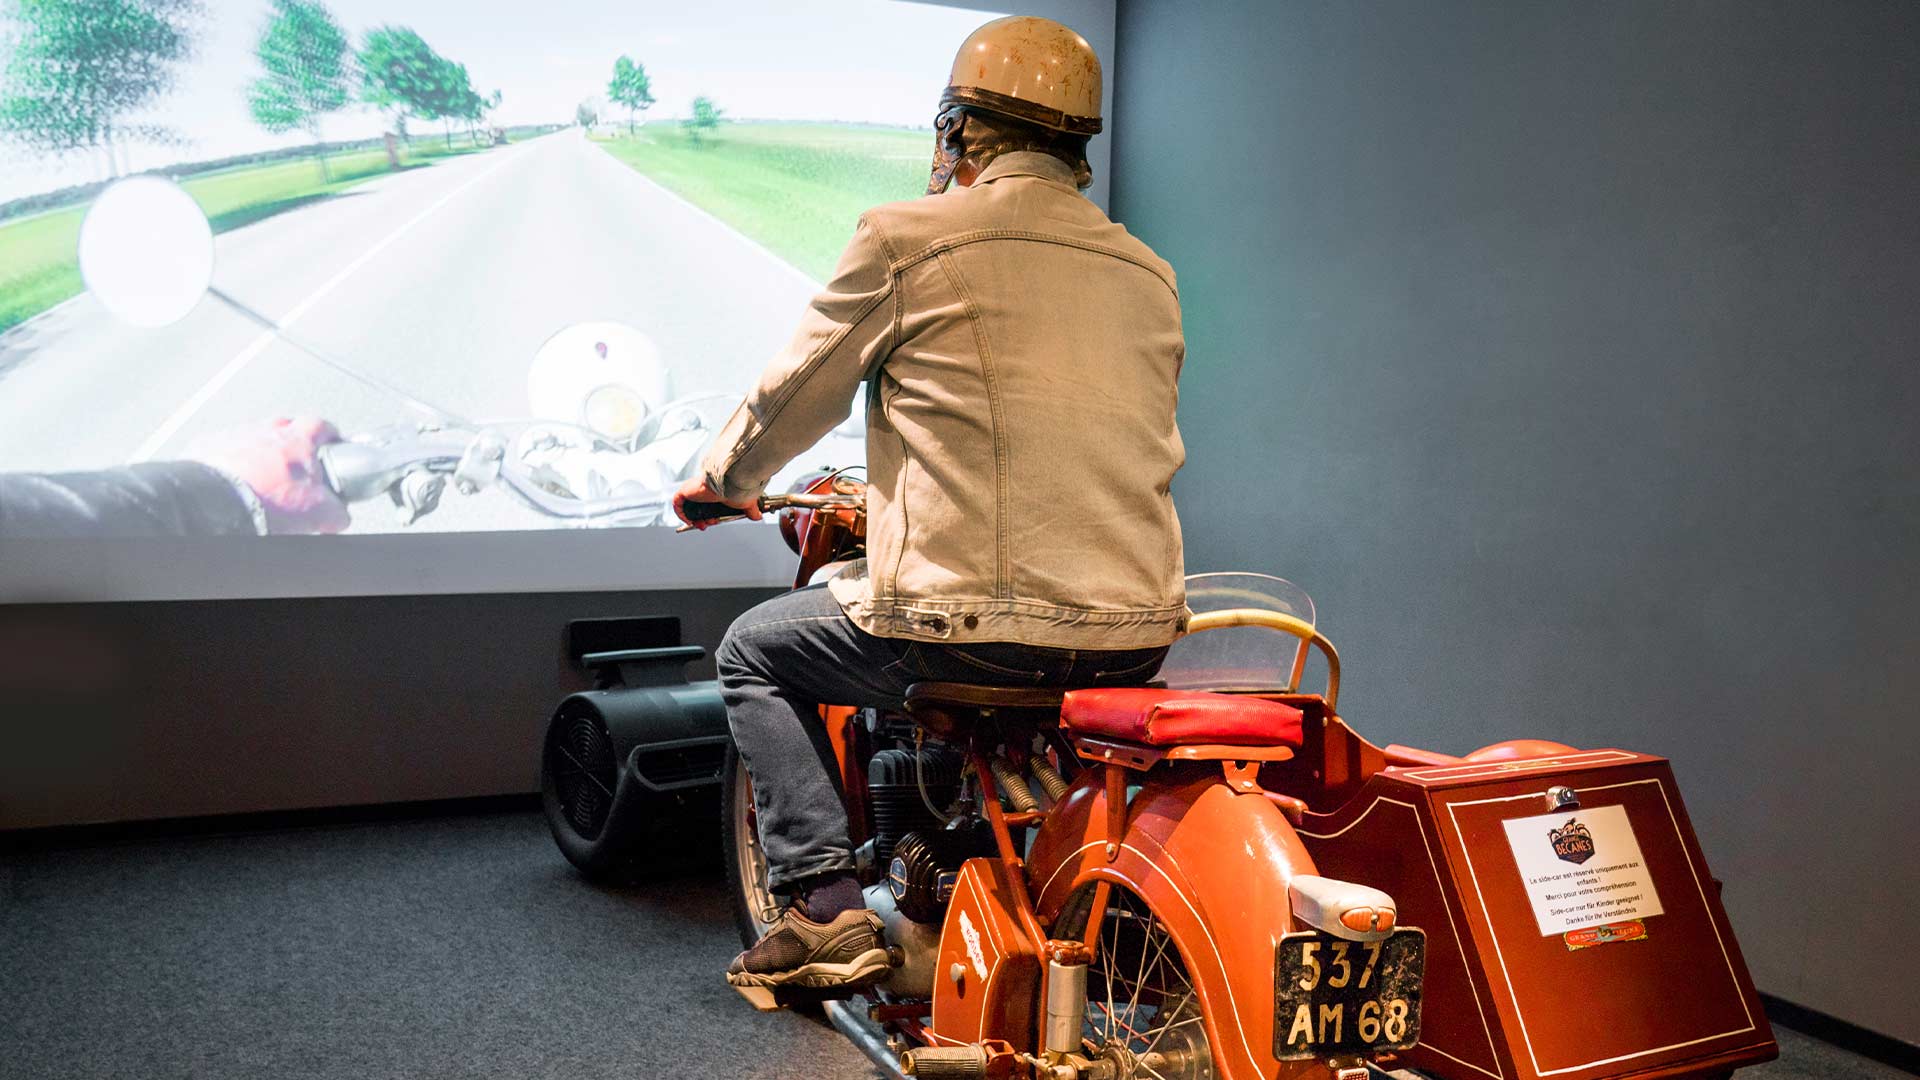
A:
(958, 698)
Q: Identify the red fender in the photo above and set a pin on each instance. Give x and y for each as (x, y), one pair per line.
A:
(1213, 866)
(1519, 750)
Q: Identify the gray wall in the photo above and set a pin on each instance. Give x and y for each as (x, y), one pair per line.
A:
(1567, 354)
(128, 711)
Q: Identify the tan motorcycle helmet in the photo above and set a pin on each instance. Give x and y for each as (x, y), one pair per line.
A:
(1027, 68)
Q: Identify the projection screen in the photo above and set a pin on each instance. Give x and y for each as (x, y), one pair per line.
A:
(475, 226)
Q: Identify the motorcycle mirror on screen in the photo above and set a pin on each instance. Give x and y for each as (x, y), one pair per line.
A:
(146, 251)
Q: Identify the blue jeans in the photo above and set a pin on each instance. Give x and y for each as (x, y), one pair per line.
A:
(785, 658)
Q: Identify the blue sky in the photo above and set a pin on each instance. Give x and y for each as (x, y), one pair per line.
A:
(877, 61)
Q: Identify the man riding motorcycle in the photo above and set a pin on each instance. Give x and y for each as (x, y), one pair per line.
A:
(1021, 354)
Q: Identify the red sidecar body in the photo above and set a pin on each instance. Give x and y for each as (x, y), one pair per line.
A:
(1574, 929)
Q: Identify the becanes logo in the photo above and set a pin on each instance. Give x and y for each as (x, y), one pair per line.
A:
(1572, 842)
(974, 952)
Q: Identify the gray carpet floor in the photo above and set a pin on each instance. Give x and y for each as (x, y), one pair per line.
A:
(459, 947)
(455, 947)
(1803, 1058)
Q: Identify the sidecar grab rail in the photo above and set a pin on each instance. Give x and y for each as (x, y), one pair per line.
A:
(1286, 624)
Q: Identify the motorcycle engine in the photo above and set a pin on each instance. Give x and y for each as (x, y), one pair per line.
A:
(925, 866)
(894, 781)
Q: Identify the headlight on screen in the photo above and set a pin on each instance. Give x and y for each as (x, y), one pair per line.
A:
(614, 411)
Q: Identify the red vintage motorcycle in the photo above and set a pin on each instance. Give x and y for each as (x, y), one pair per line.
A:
(1216, 876)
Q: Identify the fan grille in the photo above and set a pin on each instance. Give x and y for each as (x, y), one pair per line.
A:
(580, 753)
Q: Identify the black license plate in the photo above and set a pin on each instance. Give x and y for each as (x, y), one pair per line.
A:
(1334, 997)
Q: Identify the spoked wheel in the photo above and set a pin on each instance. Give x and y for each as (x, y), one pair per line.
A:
(754, 907)
(1142, 1012)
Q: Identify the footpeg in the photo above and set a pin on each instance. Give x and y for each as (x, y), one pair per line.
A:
(775, 998)
(991, 1058)
(945, 1062)
(762, 998)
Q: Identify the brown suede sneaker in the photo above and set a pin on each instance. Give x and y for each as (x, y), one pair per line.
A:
(796, 951)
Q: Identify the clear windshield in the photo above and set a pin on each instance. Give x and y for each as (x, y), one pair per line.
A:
(1241, 657)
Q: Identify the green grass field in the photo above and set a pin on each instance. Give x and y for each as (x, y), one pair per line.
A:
(37, 264)
(798, 189)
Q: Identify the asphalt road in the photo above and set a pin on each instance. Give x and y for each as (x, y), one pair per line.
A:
(441, 280)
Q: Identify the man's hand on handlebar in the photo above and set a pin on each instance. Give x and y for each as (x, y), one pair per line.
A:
(697, 490)
(279, 463)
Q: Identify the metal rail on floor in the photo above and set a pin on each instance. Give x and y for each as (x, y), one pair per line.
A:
(850, 1018)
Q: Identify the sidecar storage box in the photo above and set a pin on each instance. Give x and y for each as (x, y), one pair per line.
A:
(1570, 943)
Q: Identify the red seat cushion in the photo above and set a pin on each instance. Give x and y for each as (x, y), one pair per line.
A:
(1177, 717)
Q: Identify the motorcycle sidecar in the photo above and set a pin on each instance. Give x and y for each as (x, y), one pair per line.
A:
(1574, 931)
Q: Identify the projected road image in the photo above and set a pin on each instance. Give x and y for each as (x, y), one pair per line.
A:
(700, 202)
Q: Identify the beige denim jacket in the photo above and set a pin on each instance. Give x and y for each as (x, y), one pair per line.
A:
(1021, 354)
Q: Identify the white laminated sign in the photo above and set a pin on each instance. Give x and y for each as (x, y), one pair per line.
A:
(1582, 868)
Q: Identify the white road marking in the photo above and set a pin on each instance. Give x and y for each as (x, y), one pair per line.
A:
(171, 427)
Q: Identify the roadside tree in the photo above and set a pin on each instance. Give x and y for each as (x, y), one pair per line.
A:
(706, 117)
(483, 108)
(453, 98)
(400, 75)
(78, 71)
(308, 71)
(473, 108)
(585, 114)
(631, 87)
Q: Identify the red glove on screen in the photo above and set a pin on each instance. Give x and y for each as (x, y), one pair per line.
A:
(280, 464)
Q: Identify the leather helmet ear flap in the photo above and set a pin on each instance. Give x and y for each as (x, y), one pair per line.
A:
(947, 150)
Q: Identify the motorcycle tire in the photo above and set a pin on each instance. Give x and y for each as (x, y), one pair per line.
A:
(753, 905)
